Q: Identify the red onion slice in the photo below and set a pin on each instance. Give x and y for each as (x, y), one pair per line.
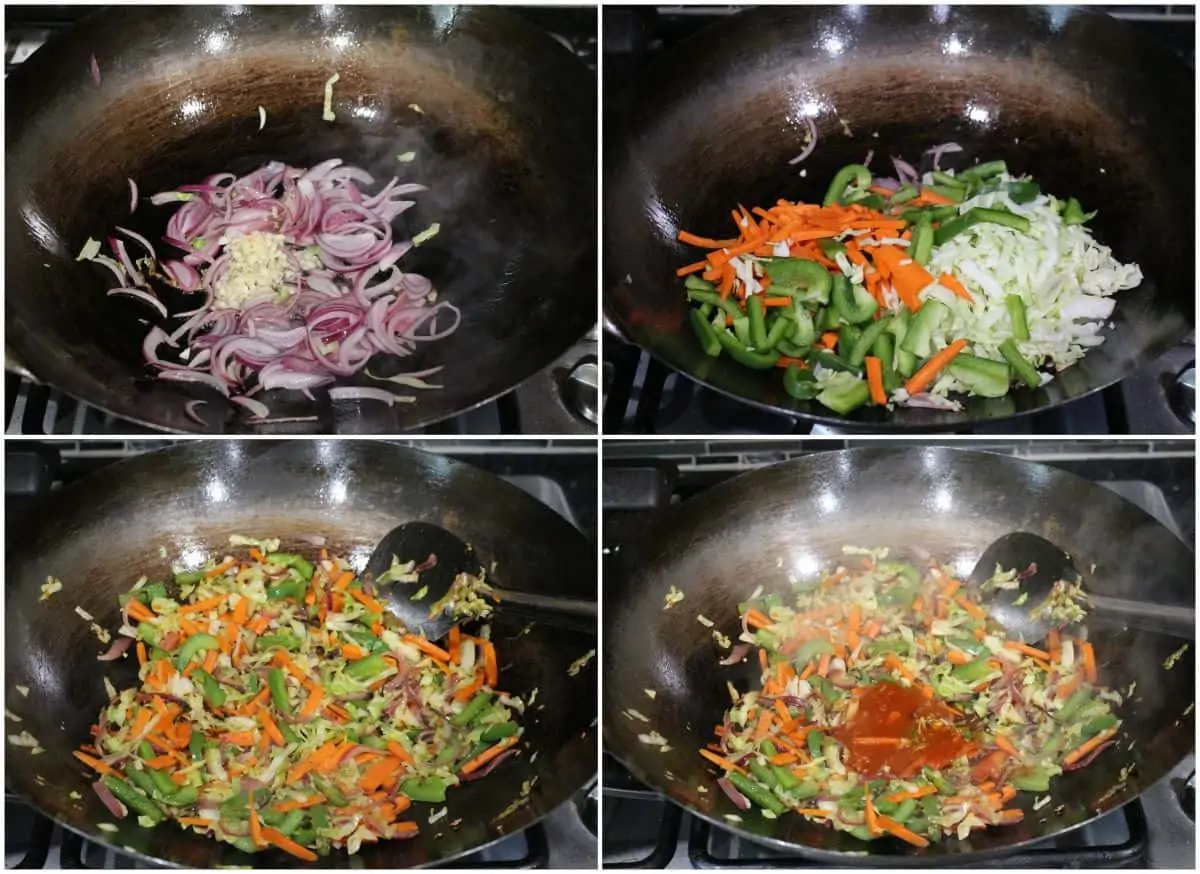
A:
(143, 296)
(739, 800)
(115, 807)
(357, 393)
(94, 68)
(905, 172)
(133, 196)
(190, 408)
(116, 650)
(810, 141)
(943, 149)
(737, 654)
(258, 408)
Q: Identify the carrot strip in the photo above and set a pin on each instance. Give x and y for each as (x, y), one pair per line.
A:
(872, 820)
(757, 619)
(140, 611)
(892, 827)
(487, 755)
(704, 242)
(95, 764)
(201, 821)
(1017, 646)
(270, 727)
(898, 797)
(955, 286)
(1088, 746)
(256, 834)
(491, 664)
(158, 763)
(875, 380)
(312, 702)
(220, 569)
(931, 368)
(813, 811)
(1005, 744)
(288, 845)
(695, 267)
(971, 607)
(1089, 662)
(721, 762)
(366, 600)
(430, 649)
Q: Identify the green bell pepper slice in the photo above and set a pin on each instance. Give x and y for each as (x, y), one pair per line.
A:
(852, 174)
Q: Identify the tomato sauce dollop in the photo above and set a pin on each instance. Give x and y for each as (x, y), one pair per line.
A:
(897, 730)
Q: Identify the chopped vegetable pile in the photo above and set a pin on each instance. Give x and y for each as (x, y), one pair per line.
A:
(899, 292)
(891, 704)
(279, 704)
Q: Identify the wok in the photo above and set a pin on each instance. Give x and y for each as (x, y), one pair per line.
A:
(504, 138)
(792, 519)
(140, 516)
(1072, 97)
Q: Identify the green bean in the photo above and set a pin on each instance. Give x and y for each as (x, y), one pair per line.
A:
(856, 173)
(331, 792)
(196, 746)
(1023, 192)
(320, 816)
(277, 681)
(143, 781)
(807, 789)
(211, 689)
(247, 846)
(695, 283)
(903, 194)
(189, 578)
(499, 731)
(816, 743)
(365, 669)
(785, 779)
(133, 798)
(800, 384)
(922, 241)
(289, 589)
(906, 809)
(291, 821)
(763, 774)
(757, 793)
(983, 171)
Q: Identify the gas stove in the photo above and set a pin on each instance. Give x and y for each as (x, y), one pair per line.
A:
(562, 476)
(563, 398)
(643, 396)
(642, 829)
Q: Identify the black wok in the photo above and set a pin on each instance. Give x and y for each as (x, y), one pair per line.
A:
(1073, 97)
(794, 518)
(504, 136)
(140, 516)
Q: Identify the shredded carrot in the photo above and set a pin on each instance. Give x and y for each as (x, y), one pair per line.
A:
(955, 286)
(898, 797)
(875, 380)
(220, 569)
(1089, 746)
(454, 640)
(95, 764)
(722, 763)
(343, 581)
(366, 600)
(312, 702)
(1066, 689)
(490, 663)
(704, 242)
(971, 607)
(1005, 744)
(487, 755)
(256, 834)
(288, 845)
(813, 811)
(1089, 662)
(931, 368)
(1054, 645)
(1017, 646)
(140, 611)
(757, 619)
(892, 827)
(872, 821)
(430, 649)
(141, 653)
(201, 821)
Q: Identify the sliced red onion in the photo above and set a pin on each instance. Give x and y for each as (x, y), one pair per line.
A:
(116, 650)
(867, 159)
(195, 376)
(155, 338)
(94, 67)
(905, 172)
(739, 800)
(189, 410)
(134, 235)
(118, 246)
(886, 182)
(489, 767)
(115, 807)
(810, 141)
(258, 408)
(143, 296)
(352, 393)
(943, 149)
(133, 196)
(736, 654)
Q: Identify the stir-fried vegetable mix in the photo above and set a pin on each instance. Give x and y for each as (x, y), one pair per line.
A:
(280, 704)
(891, 704)
(900, 292)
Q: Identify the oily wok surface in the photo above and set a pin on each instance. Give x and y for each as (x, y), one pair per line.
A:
(180, 506)
(792, 520)
(501, 118)
(1072, 97)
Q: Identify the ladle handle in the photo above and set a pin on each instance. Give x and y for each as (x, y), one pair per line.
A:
(547, 603)
(1179, 621)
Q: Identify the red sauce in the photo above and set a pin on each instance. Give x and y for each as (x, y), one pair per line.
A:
(896, 730)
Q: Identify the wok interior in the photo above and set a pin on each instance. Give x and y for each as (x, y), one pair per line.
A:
(791, 520)
(181, 507)
(488, 134)
(1052, 104)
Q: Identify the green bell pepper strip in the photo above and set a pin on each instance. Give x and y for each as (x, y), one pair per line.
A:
(901, 569)
(828, 360)
(983, 171)
(982, 376)
(757, 793)
(695, 283)
(331, 793)
(884, 349)
(277, 681)
(800, 384)
(922, 241)
(290, 589)
(807, 789)
(857, 174)
(781, 326)
(905, 811)
(831, 248)
(866, 341)
(758, 322)
(147, 784)
(1031, 780)
(845, 400)
(291, 821)
(847, 336)
(804, 329)
(871, 201)
(741, 330)
(1026, 371)
(918, 339)
(1073, 214)
(800, 278)
(852, 304)
(887, 808)
(940, 783)
(148, 633)
(763, 774)
(210, 688)
(365, 640)
(978, 215)
(500, 731)
(320, 817)
(189, 578)
(969, 645)
(930, 214)
(903, 194)
(884, 645)
(193, 646)
(283, 640)
(1016, 315)
(365, 669)
(862, 833)
(816, 743)
(705, 333)
(184, 796)
(474, 708)
(1023, 192)
(133, 799)
(726, 304)
(196, 746)
(301, 564)
(973, 671)
(948, 191)
(786, 780)
(289, 736)
(431, 790)
(811, 650)
(1097, 724)
(743, 356)
(948, 179)
(791, 350)
(906, 362)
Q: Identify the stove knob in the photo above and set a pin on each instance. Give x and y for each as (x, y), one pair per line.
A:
(1185, 393)
(582, 391)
